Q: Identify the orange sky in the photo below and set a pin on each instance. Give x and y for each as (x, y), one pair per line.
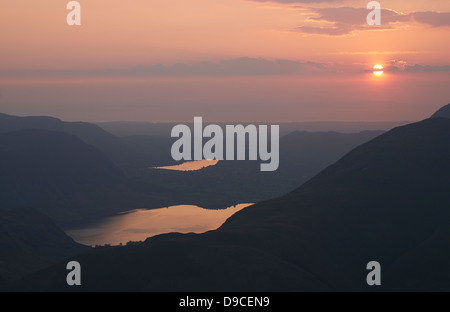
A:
(36, 44)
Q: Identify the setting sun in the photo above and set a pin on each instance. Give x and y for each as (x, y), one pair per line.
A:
(378, 70)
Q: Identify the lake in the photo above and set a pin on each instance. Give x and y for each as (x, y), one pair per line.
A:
(191, 165)
(137, 225)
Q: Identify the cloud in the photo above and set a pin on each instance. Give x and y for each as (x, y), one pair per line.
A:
(235, 67)
(355, 16)
(434, 19)
(398, 66)
(347, 20)
(427, 68)
(243, 66)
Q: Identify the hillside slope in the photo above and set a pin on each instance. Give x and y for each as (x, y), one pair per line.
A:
(59, 175)
(386, 200)
(302, 155)
(443, 112)
(30, 241)
(127, 154)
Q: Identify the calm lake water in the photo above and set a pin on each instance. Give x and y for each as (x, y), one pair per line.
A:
(137, 225)
(191, 165)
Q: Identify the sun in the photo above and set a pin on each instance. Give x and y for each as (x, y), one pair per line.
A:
(378, 70)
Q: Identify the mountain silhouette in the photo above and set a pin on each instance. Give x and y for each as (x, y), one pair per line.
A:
(386, 200)
(443, 112)
(59, 175)
(125, 153)
(30, 241)
(302, 155)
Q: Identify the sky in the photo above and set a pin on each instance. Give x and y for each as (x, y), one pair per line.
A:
(224, 60)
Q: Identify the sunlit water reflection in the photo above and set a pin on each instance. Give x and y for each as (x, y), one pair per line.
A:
(137, 225)
(191, 165)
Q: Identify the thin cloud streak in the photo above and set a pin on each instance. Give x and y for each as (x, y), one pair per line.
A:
(240, 67)
(243, 66)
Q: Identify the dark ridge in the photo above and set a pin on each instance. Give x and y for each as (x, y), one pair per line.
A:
(443, 112)
(59, 175)
(386, 200)
(30, 241)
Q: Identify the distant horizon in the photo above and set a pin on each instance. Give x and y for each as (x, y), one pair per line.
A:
(217, 121)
